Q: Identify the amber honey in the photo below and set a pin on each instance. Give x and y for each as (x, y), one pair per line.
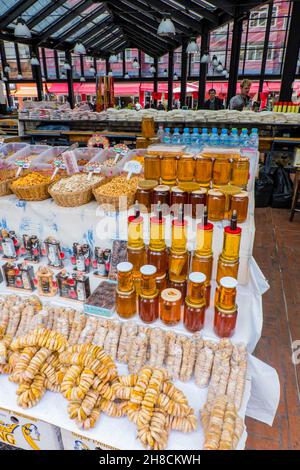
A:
(179, 235)
(216, 205)
(196, 287)
(221, 171)
(240, 172)
(148, 127)
(135, 232)
(198, 199)
(170, 306)
(137, 257)
(152, 167)
(203, 170)
(178, 198)
(194, 316)
(226, 293)
(178, 266)
(225, 308)
(148, 280)
(157, 252)
(168, 168)
(144, 194)
(148, 297)
(185, 168)
(239, 203)
(204, 238)
(125, 279)
(231, 244)
(227, 268)
(161, 283)
(181, 286)
(126, 303)
(161, 195)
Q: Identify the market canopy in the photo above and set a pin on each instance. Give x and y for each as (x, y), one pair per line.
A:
(111, 26)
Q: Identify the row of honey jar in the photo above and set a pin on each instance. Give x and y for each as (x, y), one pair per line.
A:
(204, 170)
(220, 206)
(170, 305)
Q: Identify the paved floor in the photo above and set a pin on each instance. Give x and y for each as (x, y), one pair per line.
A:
(277, 251)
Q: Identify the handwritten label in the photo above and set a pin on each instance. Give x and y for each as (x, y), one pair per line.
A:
(22, 164)
(132, 168)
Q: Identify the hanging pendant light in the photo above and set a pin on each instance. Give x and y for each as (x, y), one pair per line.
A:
(7, 68)
(92, 70)
(126, 76)
(205, 59)
(219, 67)
(67, 66)
(79, 48)
(166, 26)
(21, 29)
(165, 73)
(152, 69)
(175, 77)
(110, 73)
(192, 47)
(34, 60)
(19, 76)
(113, 58)
(135, 63)
(82, 79)
(214, 61)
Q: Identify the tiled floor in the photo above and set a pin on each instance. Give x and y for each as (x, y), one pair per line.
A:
(277, 251)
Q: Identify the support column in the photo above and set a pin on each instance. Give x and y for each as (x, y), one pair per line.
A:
(123, 64)
(107, 65)
(70, 80)
(184, 66)
(170, 80)
(18, 58)
(140, 63)
(4, 63)
(203, 67)
(265, 51)
(155, 80)
(235, 56)
(37, 76)
(291, 55)
(44, 63)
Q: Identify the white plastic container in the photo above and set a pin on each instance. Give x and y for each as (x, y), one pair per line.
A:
(8, 150)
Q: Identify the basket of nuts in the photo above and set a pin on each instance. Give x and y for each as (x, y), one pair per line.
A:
(117, 193)
(75, 190)
(6, 177)
(32, 186)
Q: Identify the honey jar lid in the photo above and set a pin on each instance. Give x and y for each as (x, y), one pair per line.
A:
(203, 157)
(148, 270)
(242, 194)
(207, 226)
(170, 295)
(157, 220)
(124, 267)
(161, 278)
(132, 219)
(162, 187)
(176, 189)
(191, 304)
(200, 191)
(228, 282)
(187, 155)
(147, 184)
(189, 187)
(215, 192)
(197, 277)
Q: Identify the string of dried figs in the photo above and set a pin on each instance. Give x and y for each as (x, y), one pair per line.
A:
(155, 405)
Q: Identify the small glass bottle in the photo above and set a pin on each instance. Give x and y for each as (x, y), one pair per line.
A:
(152, 167)
(157, 251)
(225, 308)
(216, 205)
(179, 256)
(240, 172)
(170, 306)
(168, 167)
(185, 168)
(136, 251)
(203, 170)
(228, 263)
(148, 297)
(125, 294)
(221, 171)
(239, 203)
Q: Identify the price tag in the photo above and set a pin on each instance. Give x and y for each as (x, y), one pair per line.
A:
(58, 164)
(22, 164)
(92, 168)
(132, 168)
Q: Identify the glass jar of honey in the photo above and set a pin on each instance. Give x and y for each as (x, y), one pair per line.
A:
(239, 203)
(225, 308)
(125, 279)
(136, 252)
(203, 170)
(148, 127)
(197, 201)
(216, 204)
(178, 198)
(126, 303)
(144, 194)
(178, 266)
(161, 195)
(181, 286)
(157, 251)
(170, 306)
(168, 168)
(148, 297)
(240, 172)
(185, 168)
(231, 244)
(159, 259)
(221, 171)
(196, 288)
(204, 264)
(194, 316)
(227, 268)
(161, 283)
(152, 167)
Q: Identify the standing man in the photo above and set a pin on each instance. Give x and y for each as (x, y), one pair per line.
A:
(213, 103)
(241, 101)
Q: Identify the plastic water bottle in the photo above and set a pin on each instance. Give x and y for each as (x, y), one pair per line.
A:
(176, 138)
(167, 136)
(254, 139)
(234, 138)
(186, 138)
(244, 138)
(160, 133)
(195, 137)
(224, 138)
(204, 136)
(214, 139)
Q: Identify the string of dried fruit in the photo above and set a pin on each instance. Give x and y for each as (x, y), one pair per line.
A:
(138, 353)
(204, 362)
(88, 332)
(77, 326)
(112, 340)
(222, 426)
(174, 355)
(237, 377)
(220, 371)
(101, 332)
(128, 333)
(157, 347)
(188, 358)
(88, 384)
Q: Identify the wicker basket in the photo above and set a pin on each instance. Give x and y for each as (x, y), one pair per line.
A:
(8, 176)
(38, 192)
(74, 199)
(114, 201)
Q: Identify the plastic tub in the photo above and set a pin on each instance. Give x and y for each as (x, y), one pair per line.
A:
(107, 170)
(33, 152)
(8, 150)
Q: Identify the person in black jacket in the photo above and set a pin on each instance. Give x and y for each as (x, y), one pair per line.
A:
(213, 103)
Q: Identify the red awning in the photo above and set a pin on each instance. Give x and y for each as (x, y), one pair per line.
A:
(62, 88)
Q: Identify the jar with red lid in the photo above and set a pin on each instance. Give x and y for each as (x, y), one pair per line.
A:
(197, 200)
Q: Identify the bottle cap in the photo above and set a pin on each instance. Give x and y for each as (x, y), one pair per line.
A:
(171, 295)
(162, 187)
(207, 226)
(229, 282)
(236, 231)
(197, 277)
(124, 267)
(148, 270)
(157, 220)
(134, 219)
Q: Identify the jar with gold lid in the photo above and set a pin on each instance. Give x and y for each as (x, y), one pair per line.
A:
(185, 168)
(152, 167)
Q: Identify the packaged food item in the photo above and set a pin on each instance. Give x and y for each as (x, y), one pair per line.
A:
(168, 170)
(225, 308)
(228, 263)
(118, 255)
(198, 200)
(221, 171)
(101, 263)
(161, 196)
(239, 203)
(75, 286)
(157, 251)
(240, 172)
(203, 170)
(185, 167)
(178, 198)
(32, 248)
(53, 251)
(216, 205)
(136, 249)
(152, 167)
(144, 194)
(170, 306)
(82, 257)
(19, 276)
(10, 245)
(179, 256)
(102, 301)
(45, 283)
(195, 302)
